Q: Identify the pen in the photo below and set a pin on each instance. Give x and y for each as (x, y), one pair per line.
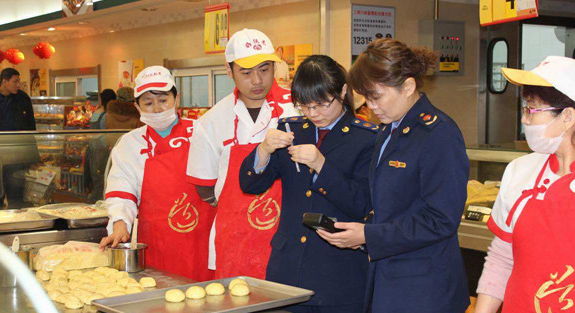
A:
(289, 131)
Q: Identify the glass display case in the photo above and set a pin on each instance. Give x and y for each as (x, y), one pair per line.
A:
(57, 113)
(44, 167)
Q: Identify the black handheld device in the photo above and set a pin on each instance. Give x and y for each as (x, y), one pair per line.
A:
(320, 221)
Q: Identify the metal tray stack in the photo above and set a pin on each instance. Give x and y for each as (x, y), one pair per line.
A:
(264, 295)
(73, 222)
(46, 222)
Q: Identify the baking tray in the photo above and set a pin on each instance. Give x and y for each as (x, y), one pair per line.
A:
(75, 222)
(264, 295)
(46, 222)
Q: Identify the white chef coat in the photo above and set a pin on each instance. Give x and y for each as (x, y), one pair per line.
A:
(519, 175)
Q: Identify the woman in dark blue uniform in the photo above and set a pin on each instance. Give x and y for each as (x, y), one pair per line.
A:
(418, 181)
(333, 150)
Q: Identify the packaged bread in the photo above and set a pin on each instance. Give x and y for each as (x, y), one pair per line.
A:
(73, 255)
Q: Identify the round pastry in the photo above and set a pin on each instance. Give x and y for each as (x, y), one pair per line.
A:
(148, 282)
(195, 292)
(62, 297)
(123, 282)
(215, 289)
(43, 275)
(53, 294)
(236, 281)
(240, 290)
(134, 289)
(175, 295)
(95, 296)
(73, 303)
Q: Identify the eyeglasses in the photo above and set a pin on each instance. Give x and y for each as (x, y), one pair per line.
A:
(315, 107)
(527, 111)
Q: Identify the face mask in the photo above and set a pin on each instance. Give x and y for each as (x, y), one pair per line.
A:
(159, 121)
(535, 135)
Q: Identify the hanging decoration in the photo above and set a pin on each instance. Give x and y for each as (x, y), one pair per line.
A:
(44, 50)
(14, 56)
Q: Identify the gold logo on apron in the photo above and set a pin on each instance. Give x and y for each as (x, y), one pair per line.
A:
(545, 291)
(183, 216)
(263, 213)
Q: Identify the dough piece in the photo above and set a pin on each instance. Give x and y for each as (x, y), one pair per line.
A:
(148, 282)
(43, 275)
(119, 275)
(236, 281)
(100, 278)
(63, 289)
(74, 285)
(93, 297)
(72, 274)
(60, 270)
(62, 298)
(101, 270)
(86, 280)
(53, 294)
(215, 289)
(105, 286)
(73, 303)
(89, 287)
(78, 293)
(240, 290)
(195, 292)
(174, 295)
(134, 289)
(124, 282)
(116, 293)
(109, 291)
(89, 274)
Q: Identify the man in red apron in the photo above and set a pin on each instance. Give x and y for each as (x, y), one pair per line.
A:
(148, 180)
(222, 138)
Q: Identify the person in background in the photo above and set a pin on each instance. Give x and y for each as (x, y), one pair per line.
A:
(98, 119)
(530, 264)
(418, 180)
(333, 150)
(122, 113)
(16, 111)
(282, 69)
(148, 180)
(222, 138)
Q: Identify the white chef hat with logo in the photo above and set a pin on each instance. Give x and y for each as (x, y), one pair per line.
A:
(153, 78)
(250, 47)
(554, 71)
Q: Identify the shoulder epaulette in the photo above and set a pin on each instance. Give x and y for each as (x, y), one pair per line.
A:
(293, 119)
(365, 125)
(428, 119)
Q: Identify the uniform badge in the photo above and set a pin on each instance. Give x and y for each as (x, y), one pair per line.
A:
(421, 115)
(357, 121)
(432, 121)
(306, 125)
(345, 129)
(397, 164)
(427, 117)
(294, 118)
(406, 130)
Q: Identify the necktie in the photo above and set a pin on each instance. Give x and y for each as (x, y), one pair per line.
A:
(321, 133)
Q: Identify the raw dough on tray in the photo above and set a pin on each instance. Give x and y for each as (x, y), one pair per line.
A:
(175, 295)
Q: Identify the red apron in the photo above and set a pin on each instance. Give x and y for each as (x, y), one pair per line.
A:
(544, 249)
(173, 220)
(245, 223)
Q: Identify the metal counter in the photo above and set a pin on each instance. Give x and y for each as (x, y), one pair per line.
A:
(38, 239)
(474, 235)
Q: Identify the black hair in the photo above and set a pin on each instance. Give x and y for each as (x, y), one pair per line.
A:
(173, 91)
(7, 74)
(549, 96)
(319, 79)
(106, 96)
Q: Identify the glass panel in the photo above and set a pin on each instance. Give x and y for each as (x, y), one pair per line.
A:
(66, 89)
(90, 89)
(200, 91)
(223, 86)
(499, 55)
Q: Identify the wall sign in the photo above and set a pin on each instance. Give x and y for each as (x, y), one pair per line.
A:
(502, 11)
(369, 23)
(216, 28)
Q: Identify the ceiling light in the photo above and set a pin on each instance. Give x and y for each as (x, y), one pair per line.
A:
(23, 34)
(150, 9)
(51, 29)
(83, 23)
(112, 31)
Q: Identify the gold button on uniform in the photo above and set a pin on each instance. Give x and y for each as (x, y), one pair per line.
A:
(311, 171)
(308, 193)
(249, 173)
(320, 189)
(303, 239)
(324, 192)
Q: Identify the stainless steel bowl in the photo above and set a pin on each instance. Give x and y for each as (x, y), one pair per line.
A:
(129, 260)
(7, 279)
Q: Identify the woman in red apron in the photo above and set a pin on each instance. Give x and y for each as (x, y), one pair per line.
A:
(173, 221)
(532, 218)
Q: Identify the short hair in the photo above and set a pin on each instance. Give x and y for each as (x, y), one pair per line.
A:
(319, 79)
(173, 91)
(7, 74)
(106, 96)
(549, 96)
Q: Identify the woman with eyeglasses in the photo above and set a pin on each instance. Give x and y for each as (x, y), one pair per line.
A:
(322, 159)
(530, 265)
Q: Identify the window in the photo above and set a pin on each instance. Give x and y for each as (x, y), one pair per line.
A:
(203, 86)
(193, 90)
(498, 57)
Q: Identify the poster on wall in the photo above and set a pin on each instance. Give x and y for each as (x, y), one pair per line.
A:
(369, 23)
(503, 11)
(291, 57)
(127, 71)
(38, 82)
(77, 7)
(216, 28)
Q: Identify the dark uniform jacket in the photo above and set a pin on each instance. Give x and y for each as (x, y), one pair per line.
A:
(23, 113)
(299, 256)
(418, 193)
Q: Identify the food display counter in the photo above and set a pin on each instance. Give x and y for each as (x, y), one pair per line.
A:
(57, 113)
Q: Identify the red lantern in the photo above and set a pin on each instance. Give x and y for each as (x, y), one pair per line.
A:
(2, 56)
(44, 50)
(14, 56)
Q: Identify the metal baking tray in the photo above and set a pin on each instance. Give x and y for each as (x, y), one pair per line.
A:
(75, 222)
(263, 295)
(46, 222)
